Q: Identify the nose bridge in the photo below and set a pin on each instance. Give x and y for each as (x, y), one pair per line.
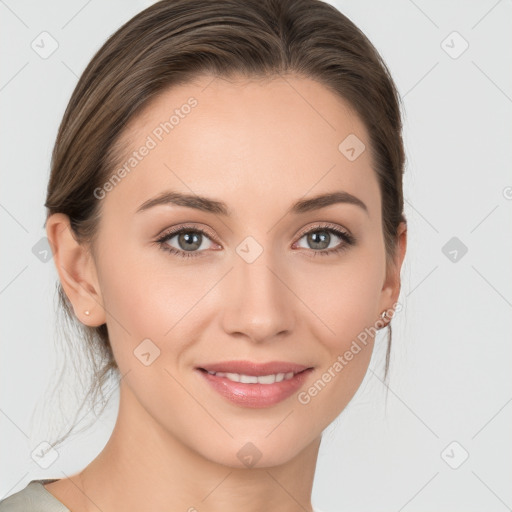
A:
(258, 304)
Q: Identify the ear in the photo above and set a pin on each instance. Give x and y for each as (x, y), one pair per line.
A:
(77, 271)
(392, 284)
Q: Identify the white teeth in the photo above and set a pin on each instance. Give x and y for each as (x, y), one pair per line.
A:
(253, 379)
(267, 379)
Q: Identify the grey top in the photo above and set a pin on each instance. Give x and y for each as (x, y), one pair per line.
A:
(33, 498)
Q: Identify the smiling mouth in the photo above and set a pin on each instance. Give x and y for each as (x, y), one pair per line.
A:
(254, 385)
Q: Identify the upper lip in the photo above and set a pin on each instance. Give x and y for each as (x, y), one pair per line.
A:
(253, 368)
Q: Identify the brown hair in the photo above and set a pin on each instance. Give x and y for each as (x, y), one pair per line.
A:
(174, 41)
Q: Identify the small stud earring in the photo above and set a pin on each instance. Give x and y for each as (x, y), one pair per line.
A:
(383, 316)
(87, 312)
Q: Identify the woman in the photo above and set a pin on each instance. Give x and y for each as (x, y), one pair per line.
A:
(225, 212)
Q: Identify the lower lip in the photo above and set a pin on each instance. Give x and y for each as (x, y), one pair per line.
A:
(255, 395)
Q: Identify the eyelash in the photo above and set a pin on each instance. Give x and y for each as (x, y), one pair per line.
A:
(348, 240)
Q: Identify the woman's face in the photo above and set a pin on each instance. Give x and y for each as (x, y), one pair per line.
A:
(244, 161)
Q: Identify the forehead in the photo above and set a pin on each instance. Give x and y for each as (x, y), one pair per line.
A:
(275, 139)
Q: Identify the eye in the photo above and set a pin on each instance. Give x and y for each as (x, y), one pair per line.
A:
(192, 241)
(322, 240)
(189, 241)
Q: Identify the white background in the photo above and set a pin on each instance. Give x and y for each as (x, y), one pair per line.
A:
(450, 372)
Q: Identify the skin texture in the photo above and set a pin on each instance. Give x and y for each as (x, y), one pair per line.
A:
(258, 146)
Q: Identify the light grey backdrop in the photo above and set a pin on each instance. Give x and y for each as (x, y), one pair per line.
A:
(443, 443)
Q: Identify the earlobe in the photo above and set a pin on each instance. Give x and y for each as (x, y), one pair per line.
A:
(77, 271)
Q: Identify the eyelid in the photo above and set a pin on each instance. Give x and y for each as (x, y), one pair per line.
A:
(192, 226)
(209, 231)
(325, 225)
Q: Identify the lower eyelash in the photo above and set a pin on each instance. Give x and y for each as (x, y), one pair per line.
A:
(349, 240)
(182, 254)
(327, 252)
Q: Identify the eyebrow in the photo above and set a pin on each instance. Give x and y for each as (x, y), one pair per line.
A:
(220, 208)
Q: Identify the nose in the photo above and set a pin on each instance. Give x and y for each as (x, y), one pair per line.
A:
(258, 306)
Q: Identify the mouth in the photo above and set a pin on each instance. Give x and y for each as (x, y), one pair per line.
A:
(255, 385)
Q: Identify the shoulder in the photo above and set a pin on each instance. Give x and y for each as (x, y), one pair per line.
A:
(33, 498)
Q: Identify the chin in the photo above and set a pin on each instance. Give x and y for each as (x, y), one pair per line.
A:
(256, 452)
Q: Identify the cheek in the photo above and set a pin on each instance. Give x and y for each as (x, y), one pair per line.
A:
(344, 298)
(147, 296)
(347, 309)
